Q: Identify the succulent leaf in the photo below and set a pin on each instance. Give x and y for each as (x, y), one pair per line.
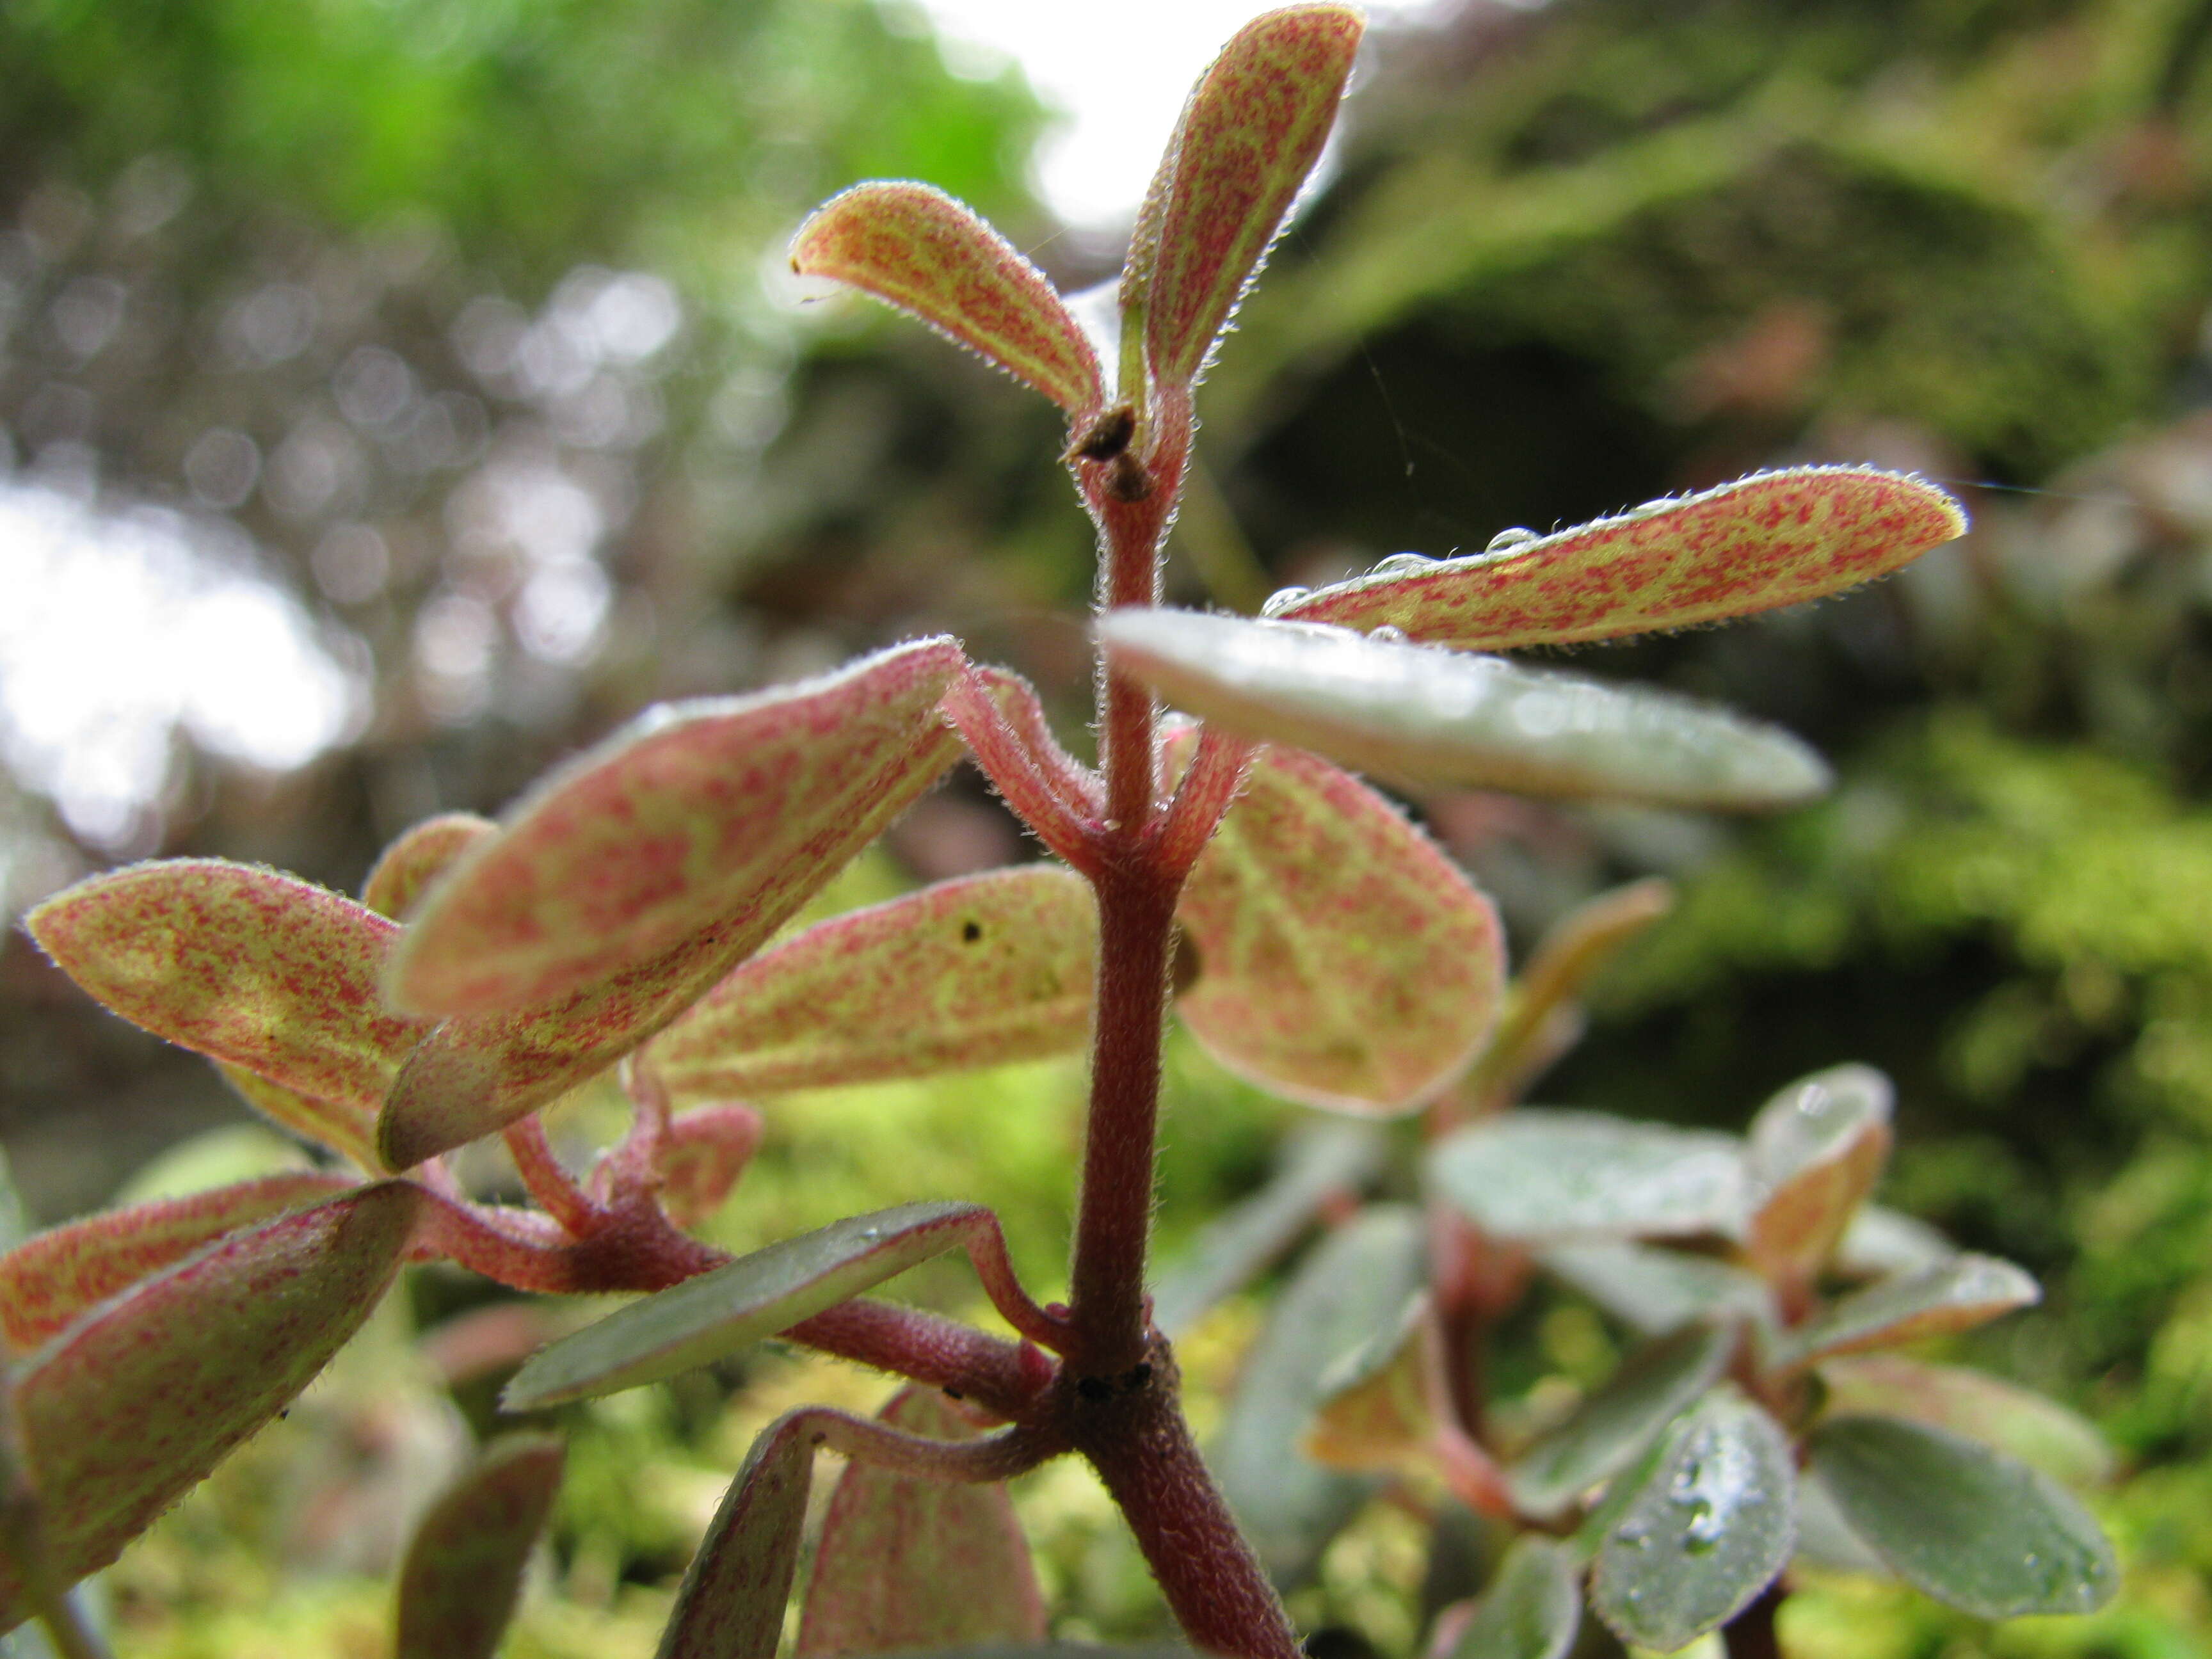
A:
(51, 1278)
(1533, 1606)
(421, 855)
(731, 1604)
(261, 971)
(736, 1304)
(973, 972)
(914, 246)
(1956, 1295)
(1618, 1423)
(1772, 539)
(1969, 1526)
(1419, 715)
(701, 1158)
(133, 1403)
(2003, 1416)
(694, 816)
(1252, 131)
(1814, 1153)
(1688, 1539)
(1345, 962)
(1546, 1175)
(906, 1562)
(463, 1571)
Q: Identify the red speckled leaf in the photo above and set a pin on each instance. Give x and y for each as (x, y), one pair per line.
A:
(1774, 538)
(244, 965)
(463, 1573)
(1252, 130)
(974, 972)
(732, 1601)
(1343, 960)
(1420, 715)
(49, 1279)
(700, 1158)
(694, 816)
(906, 1561)
(1815, 1151)
(915, 247)
(345, 1127)
(767, 796)
(419, 857)
(130, 1405)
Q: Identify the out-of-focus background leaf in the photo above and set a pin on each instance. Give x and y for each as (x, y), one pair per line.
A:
(434, 363)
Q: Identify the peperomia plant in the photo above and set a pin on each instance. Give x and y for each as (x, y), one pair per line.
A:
(632, 912)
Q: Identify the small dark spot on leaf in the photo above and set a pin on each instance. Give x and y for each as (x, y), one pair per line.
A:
(954, 1394)
(1094, 1387)
(1134, 1380)
(970, 932)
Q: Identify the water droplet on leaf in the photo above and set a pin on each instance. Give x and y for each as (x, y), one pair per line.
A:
(1403, 564)
(1518, 535)
(1282, 598)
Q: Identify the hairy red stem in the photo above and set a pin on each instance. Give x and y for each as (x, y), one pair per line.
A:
(1133, 1431)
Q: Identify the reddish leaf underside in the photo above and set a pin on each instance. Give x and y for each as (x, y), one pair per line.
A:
(914, 246)
(723, 809)
(1774, 538)
(463, 1568)
(1343, 960)
(49, 1279)
(419, 855)
(1252, 130)
(732, 1601)
(1813, 1154)
(702, 1157)
(974, 972)
(906, 1561)
(134, 1403)
(262, 970)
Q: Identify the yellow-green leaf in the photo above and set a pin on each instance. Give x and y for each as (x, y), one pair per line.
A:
(974, 972)
(1343, 960)
(261, 970)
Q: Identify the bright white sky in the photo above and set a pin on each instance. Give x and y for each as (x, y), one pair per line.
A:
(1120, 86)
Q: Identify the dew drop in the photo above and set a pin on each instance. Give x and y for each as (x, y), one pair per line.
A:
(1388, 635)
(1517, 536)
(1657, 504)
(1282, 598)
(1403, 564)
